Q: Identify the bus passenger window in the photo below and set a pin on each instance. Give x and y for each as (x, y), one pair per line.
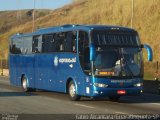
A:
(16, 46)
(27, 45)
(74, 38)
(70, 45)
(37, 44)
(47, 43)
(59, 39)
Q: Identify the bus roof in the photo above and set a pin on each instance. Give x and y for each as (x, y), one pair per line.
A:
(71, 27)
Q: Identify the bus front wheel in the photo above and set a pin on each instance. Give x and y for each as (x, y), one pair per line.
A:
(24, 84)
(72, 92)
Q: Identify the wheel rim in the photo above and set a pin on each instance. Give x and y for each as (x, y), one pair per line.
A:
(24, 84)
(72, 90)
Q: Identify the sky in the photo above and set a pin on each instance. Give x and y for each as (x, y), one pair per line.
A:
(29, 4)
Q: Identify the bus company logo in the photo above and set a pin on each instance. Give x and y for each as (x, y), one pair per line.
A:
(55, 61)
(67, 60)
(63, 60)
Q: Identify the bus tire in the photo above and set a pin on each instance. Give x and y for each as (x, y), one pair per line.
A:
(72, 91)
(114, 98)
(24, 84)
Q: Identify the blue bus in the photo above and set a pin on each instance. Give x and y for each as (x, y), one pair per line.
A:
(81, 60)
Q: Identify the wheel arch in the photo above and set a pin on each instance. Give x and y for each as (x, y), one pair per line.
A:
(67, 84)
(22, 78)
(24, 75)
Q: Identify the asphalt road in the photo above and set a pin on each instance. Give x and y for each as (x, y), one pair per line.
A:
(14, 100)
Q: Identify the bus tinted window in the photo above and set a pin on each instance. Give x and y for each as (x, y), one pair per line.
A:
(16, 46)
(37, 44)
(47, 43)
(27, 45)
(59, 42)
(21, 45)
(70, 43)
(114, 38)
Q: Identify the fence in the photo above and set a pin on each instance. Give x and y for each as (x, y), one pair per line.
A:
(4, 67)
(3, 63)
(151, 70)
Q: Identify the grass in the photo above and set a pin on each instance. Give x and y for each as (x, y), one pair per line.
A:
(148, 76)
(149, 70)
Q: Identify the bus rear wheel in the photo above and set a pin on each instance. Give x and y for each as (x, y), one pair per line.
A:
(24, 84)
(72, 91)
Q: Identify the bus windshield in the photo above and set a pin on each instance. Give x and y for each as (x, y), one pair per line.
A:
(117, 61)
(117, 53)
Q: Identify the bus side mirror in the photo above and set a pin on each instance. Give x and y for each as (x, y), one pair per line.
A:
(92, 52)
(149, 51)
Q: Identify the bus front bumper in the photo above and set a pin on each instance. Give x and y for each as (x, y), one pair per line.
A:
(101, 92)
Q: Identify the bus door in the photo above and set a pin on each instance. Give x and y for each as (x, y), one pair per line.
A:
(83, 50)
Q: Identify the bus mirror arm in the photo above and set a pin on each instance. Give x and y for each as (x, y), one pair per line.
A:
(149, 51)
(92, 52)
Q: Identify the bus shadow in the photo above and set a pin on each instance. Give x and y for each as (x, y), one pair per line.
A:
(15, 94)
(141, 99)
(130, 99)
(144, 98)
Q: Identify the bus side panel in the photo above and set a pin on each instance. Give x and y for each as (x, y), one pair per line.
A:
(45, 74)
(42, 73)
(52, 76)
(15, 68)
(21, 65)
(71, 70)
(27, 68)
(12, 69)
(65, 70)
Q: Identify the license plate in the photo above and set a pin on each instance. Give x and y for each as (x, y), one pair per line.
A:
(121, 92)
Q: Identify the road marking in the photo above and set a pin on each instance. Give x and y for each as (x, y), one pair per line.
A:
(5, 82)
(84, 106)
(5, 90)
(142, 102)
(106, 110)
(155, 103)
(121, 113)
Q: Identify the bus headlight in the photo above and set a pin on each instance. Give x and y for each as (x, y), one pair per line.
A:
(138, 84)
(100, 85)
